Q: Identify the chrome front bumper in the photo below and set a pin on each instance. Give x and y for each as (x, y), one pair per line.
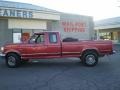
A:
(2, 55)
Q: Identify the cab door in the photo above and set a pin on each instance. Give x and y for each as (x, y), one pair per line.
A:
(36, 48)
(54, 45)
(46, 45)
(40, 46)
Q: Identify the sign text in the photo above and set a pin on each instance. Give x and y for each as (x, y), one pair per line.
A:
(16, 13)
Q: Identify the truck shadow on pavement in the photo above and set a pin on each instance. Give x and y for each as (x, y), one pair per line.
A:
(53, 63)
(47, 63)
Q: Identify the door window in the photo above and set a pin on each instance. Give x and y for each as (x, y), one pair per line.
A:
(40, 39)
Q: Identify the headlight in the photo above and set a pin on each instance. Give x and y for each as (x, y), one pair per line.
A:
(2, 48)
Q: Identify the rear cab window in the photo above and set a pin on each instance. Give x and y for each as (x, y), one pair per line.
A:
(53, 38)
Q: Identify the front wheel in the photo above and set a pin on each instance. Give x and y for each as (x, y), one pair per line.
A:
(90, 58)
(12, 60)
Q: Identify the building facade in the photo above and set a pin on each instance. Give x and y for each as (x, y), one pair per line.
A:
(18, 21)
(108, 29)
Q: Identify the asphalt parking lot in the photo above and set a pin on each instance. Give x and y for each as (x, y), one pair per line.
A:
(63, 74)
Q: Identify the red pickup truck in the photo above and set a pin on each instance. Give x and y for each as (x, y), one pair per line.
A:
(49, 45)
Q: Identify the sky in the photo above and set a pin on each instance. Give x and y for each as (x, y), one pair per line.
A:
(98, 9)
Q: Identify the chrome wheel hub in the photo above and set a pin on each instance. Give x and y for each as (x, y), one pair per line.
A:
(11, 61)
(90, 59)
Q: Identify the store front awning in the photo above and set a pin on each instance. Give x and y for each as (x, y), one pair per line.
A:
(108, 23)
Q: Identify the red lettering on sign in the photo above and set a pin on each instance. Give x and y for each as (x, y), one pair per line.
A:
(73, 26)
(64, 23)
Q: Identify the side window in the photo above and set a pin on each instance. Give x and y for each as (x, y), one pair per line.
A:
(40, 39)
(53, 38)
(33, 38)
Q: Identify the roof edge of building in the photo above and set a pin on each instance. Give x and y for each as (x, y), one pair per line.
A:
(21, 5)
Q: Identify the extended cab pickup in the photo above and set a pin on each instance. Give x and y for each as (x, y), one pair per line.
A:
(49, 45)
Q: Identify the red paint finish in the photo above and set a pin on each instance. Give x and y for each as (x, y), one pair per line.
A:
(45, 47)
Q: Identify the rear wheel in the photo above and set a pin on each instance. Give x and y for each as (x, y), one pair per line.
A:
(90, 58)
(12, 60)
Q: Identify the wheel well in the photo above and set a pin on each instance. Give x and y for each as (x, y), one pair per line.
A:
(90, 50)
(12, 53)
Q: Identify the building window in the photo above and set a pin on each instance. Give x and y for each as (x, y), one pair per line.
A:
(106, 36)
(16, 36)
(22, 35)
(26, 34)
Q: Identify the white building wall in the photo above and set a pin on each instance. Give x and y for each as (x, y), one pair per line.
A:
(27, 24)
(83, 24)
(47, 16)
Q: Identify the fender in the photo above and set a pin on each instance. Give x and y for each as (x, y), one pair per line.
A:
(90, 48)
(12, 51)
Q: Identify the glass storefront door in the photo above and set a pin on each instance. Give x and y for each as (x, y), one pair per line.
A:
(16, 37)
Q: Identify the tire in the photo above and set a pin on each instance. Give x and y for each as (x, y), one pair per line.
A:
(89, 58)
(13, 60)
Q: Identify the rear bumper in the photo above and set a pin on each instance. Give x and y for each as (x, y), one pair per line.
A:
(114, 52)
(110, 53)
